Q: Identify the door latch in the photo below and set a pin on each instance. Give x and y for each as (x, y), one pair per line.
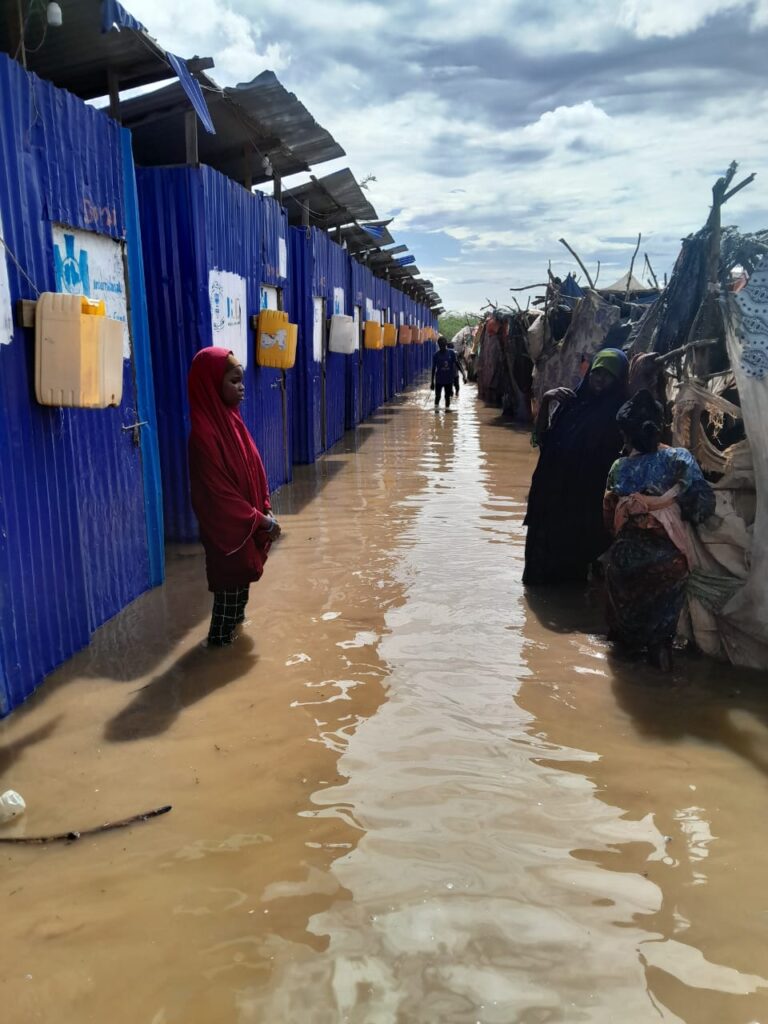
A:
(134, 428)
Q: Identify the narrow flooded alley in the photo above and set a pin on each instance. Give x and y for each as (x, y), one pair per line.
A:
(410, 793)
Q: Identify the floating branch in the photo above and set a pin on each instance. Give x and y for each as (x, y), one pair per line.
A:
(70, 837)
(527, 287)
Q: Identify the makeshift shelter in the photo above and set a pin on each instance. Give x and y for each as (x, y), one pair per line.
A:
(706, 350)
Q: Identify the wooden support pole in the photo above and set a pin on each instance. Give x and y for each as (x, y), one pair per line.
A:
(578, 260)
(632, 267)
(113, 87)
(190, 136)
(21, 49)
(277, 186)
(247, 173)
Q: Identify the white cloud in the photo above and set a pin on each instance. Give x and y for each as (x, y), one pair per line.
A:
(649, 18)
(495, 130)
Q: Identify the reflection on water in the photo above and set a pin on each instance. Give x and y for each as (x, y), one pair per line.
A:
(415, 794)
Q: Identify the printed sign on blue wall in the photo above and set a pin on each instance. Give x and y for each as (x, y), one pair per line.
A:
(92, 265)
(229, 327)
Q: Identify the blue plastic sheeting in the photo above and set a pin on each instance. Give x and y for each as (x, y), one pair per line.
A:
(73, 532)
(194, 221)
(191, 87)
(113, 14)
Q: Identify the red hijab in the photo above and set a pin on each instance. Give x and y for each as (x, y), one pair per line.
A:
(230, 493)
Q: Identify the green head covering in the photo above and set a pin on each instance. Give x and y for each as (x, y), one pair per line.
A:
(613, 360)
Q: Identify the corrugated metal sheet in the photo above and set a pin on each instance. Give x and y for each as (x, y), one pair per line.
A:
(195, 220)
(278, 113)
(77, 55)
(330, 201)
(73, 535)
(306, 437)
(273, 223)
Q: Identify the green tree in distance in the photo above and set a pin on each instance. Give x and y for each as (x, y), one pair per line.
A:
(451, 323)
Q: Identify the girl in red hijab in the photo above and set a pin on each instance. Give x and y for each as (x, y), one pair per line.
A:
(230, 493)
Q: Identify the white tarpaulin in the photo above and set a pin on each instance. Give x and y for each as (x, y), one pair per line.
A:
(317, 329)
(6, 309)
(228, 313)
(92, 265)
(745, 618)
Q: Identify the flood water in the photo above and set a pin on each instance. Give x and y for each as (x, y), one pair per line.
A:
(409, 794)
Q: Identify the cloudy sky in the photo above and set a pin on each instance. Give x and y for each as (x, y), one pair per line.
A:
(496, 127)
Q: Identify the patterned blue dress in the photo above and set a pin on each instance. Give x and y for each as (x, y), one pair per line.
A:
(645, 572)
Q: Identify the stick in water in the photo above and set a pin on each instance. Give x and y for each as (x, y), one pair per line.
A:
(70, 837)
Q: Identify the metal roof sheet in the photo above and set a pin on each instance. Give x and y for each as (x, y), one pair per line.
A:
(280, 114)
(330, 201)
(359, 240)
(78, 55)
(245, 143)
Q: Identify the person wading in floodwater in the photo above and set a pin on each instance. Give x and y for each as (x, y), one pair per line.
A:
(230, 493)
(578, 442)
(649, 494)
(444, 372)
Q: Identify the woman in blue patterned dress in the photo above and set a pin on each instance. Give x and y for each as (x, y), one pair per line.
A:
(649, 494)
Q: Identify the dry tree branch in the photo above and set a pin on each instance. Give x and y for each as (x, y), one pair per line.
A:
(578, 260)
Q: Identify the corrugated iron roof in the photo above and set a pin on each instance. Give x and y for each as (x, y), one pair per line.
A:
(329, 202)
(245, 144)
(78, 55)
(280, 114)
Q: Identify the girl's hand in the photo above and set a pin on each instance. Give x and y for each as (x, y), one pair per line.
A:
(275, 530)
(559, 395)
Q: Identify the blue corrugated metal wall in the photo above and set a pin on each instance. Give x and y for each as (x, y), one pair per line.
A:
(195, 220)
(74, 546)
(274, 428)
(306, 383)
(331, 270)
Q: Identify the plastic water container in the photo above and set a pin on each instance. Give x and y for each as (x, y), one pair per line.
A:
(343, 335)
(372, 335)
(276, 340)
(389, 334)
(11, 805)
(78, 353)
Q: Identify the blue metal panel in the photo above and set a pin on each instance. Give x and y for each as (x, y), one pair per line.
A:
(173, 231)
(306, 385)
(86, 192)
(273, 221)
(330, 270)
(142, 359)
(73, 533)
(195, 220)
(233, 223)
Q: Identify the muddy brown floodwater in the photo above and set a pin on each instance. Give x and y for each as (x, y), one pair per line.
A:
(409, 794)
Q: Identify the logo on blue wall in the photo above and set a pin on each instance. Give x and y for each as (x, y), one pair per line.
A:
(72, 273)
